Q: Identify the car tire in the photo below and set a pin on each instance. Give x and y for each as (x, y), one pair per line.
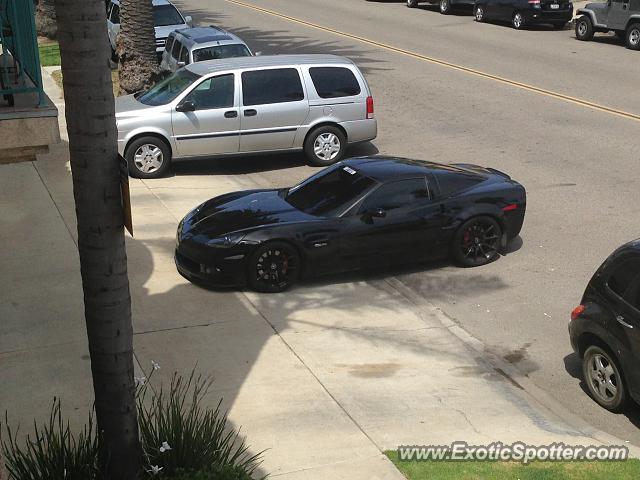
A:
(412, 3)
(604, 379)
(148, 157)
(517, 20)
(632, 36)
(478, 13)
(325, 146)
(273, 267)
(445, 7)
(477, 241)
(584, 29)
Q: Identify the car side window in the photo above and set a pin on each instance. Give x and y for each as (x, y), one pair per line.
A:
(169, 44)
(453, 181)
(397, 194)
(279, 85)
(215, 92)
(624, 277)
(334, 82)
(175, 50)
(115, 14)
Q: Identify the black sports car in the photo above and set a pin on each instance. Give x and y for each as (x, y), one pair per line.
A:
(363, 212)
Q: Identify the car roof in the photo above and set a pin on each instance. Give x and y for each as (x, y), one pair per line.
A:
(202, 35)
(629, 248)
(211, 66)
(385, 168)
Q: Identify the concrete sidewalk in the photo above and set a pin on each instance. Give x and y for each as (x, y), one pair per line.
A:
(325, 377)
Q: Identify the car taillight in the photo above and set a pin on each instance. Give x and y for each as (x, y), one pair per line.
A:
(579, 310)
(510, 207)
(369, 107)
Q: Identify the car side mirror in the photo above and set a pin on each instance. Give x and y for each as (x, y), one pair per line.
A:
(186, 106)
(189, 21)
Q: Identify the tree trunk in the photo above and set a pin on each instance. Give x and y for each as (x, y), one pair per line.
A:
(90, 116)
(136, 46)
(46, 19)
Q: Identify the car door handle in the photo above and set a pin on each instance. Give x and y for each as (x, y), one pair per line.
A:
(230, 114)
(250, 112)
(621, 321)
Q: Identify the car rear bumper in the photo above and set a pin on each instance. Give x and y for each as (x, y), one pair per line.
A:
(548, 16)
(361, 130)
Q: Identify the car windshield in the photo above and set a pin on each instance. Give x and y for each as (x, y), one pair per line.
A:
(330, 192)
(164, 15)
(167, 90)
(220, 51)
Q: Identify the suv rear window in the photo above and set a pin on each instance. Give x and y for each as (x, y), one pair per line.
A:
(220, 51)
(334, 82)
(260, 87)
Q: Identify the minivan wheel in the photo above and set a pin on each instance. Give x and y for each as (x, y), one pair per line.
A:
(584, 28)
(412, 3)
(477, 242)
(604, 378)
(325, 146)
(479, 13)
(517, 21)
(148, 157)
(633, 36)
(445, 7)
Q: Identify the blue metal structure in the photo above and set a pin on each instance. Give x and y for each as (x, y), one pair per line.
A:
(20, 62)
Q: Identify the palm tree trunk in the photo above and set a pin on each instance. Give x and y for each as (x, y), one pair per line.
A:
(46, 19)
(92, 132)
(136, 46)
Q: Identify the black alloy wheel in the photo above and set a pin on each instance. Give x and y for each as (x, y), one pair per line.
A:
(604, 378)
(477, 242)
(445, 7)
(273, 267)
(478, 13)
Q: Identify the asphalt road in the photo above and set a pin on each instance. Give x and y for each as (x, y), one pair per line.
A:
(579, 163)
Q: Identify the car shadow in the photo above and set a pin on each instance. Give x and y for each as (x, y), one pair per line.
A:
(236, 165)
(513, 246)
(573, 366)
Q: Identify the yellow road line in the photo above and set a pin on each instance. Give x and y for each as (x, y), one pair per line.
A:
(443, 63)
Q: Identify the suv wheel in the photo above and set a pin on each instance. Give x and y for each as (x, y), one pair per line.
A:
(478, 13)
(584, 28)
(412, 3)
(517, 20)
(633, 36)
(604, 378)
(325, 146)
(148, 157)
(445, 7)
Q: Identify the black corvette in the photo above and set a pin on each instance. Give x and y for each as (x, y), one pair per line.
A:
(363, 212)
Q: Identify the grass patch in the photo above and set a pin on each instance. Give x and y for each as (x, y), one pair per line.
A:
(49, 54)
(489, 470)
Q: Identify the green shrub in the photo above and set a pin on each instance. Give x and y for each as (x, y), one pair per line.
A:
(178, 434)
(53, 452)
(223, 472)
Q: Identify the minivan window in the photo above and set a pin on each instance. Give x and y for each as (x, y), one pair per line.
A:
(279, 85)
(175, 50)
(164, 15)
(220, 51)
(334, 82)
(167, 90)
(215, 92)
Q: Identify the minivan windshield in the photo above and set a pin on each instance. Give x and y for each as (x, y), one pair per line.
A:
(167, 90)
(221, 51)
(330, 192)
(164, 15)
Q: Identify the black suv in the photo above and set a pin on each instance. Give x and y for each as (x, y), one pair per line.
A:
(605, 329)
(525, 12)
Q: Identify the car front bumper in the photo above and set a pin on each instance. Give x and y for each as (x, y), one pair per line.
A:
(221, 267)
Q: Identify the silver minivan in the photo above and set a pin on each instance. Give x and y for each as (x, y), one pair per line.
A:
(247, 105)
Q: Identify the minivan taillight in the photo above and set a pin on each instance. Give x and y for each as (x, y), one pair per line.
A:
(369, 107)
(579, 310)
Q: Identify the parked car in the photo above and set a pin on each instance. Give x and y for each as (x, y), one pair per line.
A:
(315, 103)
(198, 44)
(619, 16)
(525, 12)
(445, 5)
(361, 213)
(605, 330)
(166, 19)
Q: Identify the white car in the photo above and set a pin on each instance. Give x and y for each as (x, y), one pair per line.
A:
(166, 19)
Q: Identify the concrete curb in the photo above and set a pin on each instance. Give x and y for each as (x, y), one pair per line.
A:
(512, 373)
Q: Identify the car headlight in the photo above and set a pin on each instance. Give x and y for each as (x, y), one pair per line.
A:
(226, 241)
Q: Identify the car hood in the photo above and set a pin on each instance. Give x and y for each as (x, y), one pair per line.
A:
(595, 6)
(128, 106)
(164, 31)
(242, 210)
